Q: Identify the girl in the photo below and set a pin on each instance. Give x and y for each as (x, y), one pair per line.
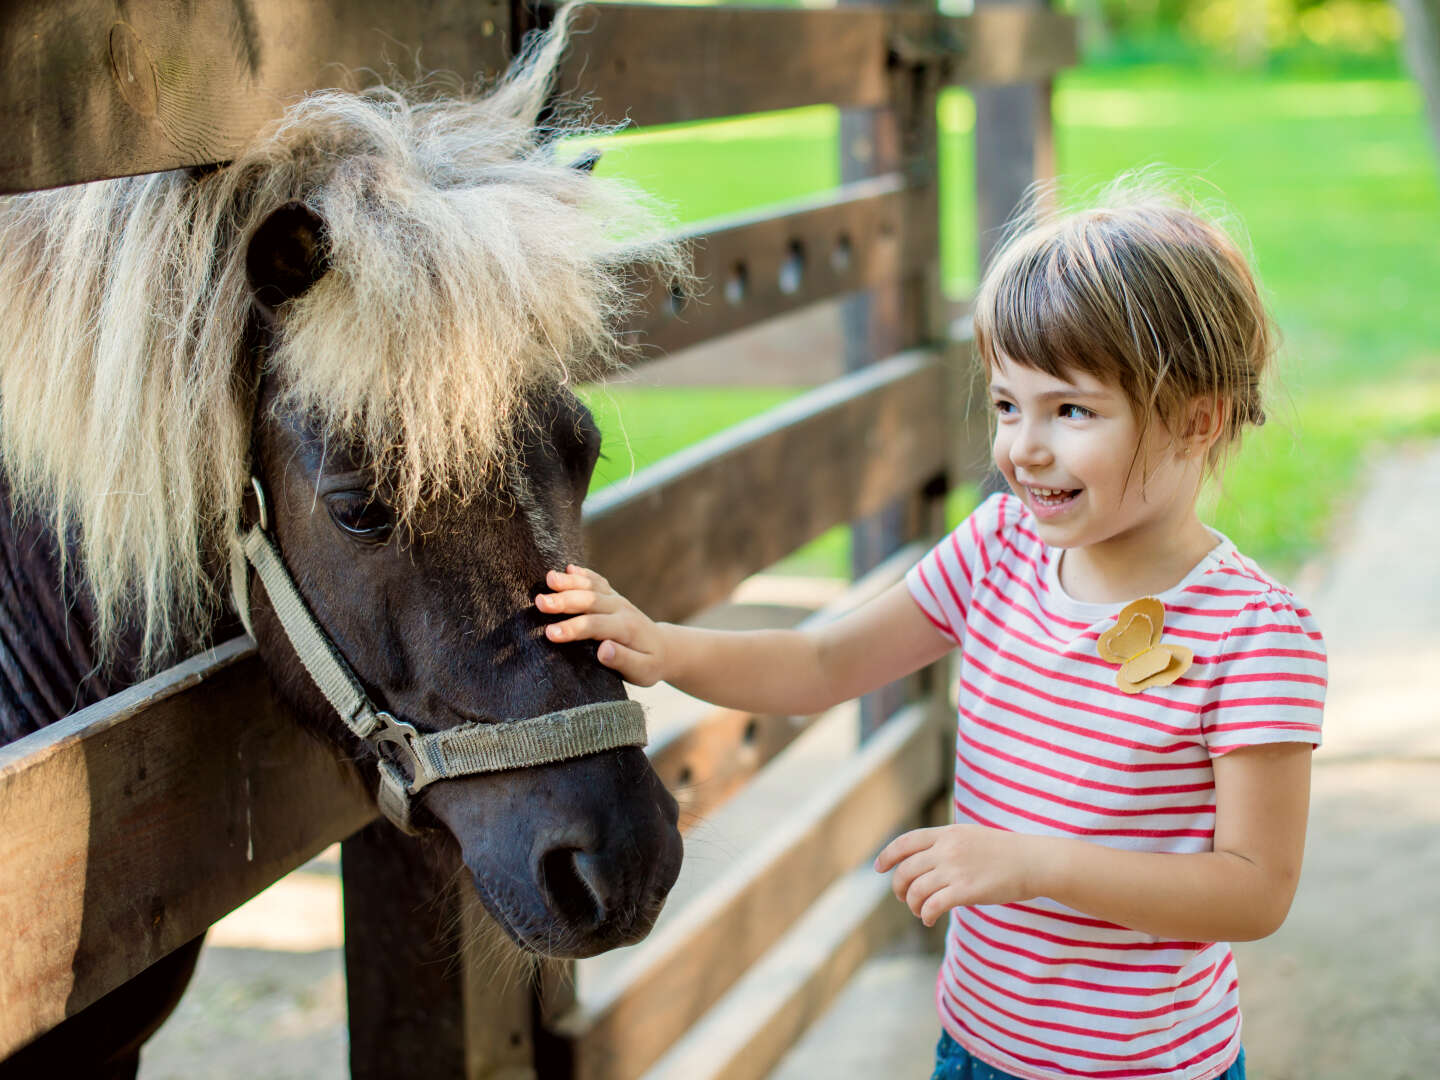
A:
(1138, 701)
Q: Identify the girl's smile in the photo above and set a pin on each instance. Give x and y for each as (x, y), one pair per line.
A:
(1046, 503)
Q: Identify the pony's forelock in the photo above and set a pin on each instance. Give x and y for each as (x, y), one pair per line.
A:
(470, 267)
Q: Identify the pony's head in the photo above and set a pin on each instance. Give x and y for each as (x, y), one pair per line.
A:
(378, 308)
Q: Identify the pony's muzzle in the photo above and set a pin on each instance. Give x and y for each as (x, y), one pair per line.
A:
(599, 892)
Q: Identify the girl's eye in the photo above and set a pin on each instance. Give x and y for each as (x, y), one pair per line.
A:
(361, 516)
(1004, 408)
(1075, 412)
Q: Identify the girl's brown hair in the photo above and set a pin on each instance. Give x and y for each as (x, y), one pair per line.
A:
(1143, 290)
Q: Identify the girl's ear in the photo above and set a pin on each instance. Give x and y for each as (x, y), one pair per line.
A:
(1204, 423)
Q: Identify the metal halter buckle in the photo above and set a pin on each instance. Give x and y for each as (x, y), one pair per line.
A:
(401, 734)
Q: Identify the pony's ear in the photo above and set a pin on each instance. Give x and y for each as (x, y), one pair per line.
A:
(586, 161)
(287, 254)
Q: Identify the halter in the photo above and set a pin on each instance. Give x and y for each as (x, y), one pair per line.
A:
(409, 759)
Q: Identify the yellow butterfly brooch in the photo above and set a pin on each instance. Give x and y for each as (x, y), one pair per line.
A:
(1134, 643)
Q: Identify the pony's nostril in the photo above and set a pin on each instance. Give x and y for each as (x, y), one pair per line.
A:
(567, 886)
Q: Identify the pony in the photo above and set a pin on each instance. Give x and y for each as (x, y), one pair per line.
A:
(361, 336)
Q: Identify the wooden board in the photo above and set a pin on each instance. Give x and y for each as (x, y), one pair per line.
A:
(707, 763)
(680, 535)
(1012, 44)
(687, 965)
(1014, 137)
(749, 1031)
(754, 267)
(664, 65)
(94, 90)
(133, 825)
(434, 987)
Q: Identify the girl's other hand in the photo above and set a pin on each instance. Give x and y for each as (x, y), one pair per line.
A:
(630, 642)
(954, 865)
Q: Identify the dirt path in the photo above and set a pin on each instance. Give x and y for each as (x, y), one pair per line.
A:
(1350, 986)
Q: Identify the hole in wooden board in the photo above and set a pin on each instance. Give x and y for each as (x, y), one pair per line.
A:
(842, 254)
(737, 285)
(677, 300)
(792, 270)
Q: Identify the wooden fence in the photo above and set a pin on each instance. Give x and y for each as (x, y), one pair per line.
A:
(131, 827)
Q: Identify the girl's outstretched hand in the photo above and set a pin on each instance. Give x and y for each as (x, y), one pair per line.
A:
(630, 642)
(953, 865)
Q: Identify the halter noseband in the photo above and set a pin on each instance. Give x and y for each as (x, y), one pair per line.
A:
(409, 760)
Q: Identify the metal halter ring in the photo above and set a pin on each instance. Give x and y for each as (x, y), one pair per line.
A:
(261, 508)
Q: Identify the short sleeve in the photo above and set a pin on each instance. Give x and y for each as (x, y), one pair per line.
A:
(943, 582)
(1267, 679)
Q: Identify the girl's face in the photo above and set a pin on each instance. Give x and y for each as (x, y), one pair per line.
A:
(1068, 449)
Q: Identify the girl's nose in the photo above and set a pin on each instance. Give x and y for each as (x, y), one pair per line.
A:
(1029, 448)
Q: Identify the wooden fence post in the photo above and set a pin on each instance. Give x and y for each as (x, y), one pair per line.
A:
(431, 993)
(1014, 147)
(899, 315)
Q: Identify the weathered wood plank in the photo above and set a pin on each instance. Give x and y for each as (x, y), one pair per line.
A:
(751, 1028)
(683, 533)
(91, 89)
(145, 818)
(665, 65)
(897, 315)
(1008, 45)
(708, 762)
(434, 987)
(754, 267)
(1014, 138)
(689, 964)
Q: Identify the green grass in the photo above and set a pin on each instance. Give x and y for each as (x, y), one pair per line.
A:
(1334, 179)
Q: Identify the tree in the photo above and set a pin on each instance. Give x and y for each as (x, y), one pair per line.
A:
(1422, 49)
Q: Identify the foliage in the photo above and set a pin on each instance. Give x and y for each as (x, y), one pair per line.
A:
(1247, 32)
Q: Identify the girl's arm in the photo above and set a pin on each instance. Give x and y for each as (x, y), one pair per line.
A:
(785, 672)
(1240, 891)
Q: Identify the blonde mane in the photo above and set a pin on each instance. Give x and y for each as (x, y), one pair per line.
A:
(469, 265)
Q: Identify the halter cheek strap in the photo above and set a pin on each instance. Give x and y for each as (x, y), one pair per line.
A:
(409, 760)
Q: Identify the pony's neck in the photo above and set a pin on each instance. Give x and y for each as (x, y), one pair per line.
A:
(47, 643)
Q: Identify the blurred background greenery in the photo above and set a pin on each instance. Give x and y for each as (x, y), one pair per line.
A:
(1301, 117)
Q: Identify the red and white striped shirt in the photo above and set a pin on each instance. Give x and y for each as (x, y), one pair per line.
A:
(1047, 743)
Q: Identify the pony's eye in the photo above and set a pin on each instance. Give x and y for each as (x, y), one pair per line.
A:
(361, 515)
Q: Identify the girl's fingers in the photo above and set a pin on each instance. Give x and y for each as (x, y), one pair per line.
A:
(908, 871)
(577, 602)
(580, 577)
(921, 889)
(938, 903)
(585, 627)
(634, 667)
(902, 847)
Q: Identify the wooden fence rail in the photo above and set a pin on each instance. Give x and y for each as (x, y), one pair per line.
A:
(93, 95)
(144, 819)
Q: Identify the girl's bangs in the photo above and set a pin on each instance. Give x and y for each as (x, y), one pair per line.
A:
(1041, 312)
